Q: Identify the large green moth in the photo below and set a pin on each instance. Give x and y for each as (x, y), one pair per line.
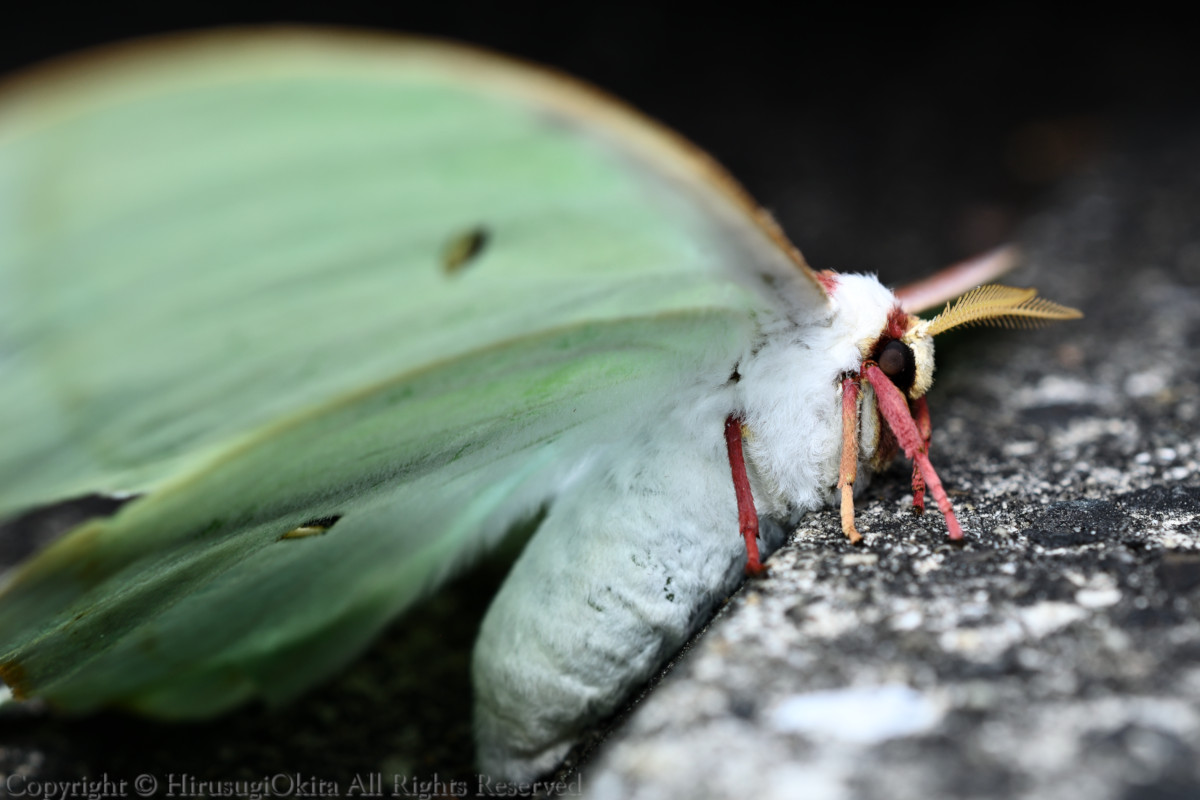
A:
(340, 310)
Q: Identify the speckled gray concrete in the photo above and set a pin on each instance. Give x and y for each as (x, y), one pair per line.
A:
(1056, 654)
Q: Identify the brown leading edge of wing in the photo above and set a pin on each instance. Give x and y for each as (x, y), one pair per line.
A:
(68, 86)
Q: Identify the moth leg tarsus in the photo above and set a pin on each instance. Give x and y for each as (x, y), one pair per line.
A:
(918, 489)
(847, 512)
(848, 469)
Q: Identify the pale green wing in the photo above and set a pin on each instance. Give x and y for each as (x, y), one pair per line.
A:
(224, 282)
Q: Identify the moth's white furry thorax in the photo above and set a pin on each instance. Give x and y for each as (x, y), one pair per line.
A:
(791, 395)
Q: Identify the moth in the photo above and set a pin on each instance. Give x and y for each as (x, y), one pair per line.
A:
(338, 311)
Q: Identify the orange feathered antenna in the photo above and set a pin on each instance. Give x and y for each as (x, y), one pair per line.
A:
(999, 305)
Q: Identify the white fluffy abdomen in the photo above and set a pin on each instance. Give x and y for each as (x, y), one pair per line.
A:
(628, 563)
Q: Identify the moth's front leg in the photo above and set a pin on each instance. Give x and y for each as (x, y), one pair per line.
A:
(920, 408)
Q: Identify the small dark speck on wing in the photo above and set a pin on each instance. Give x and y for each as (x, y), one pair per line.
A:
(463, 248)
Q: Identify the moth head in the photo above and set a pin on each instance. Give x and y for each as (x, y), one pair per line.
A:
(904, 351)
(898, 367)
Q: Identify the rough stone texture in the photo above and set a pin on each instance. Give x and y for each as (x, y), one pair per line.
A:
(1056, 654)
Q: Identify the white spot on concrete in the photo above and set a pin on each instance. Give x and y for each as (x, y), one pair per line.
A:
(908, 621)
(1092, 429)
(1042, 619)
(1098, 598)
(1145, 384)
(1057, 390)
(861, 715)
(928, 565)
(1020, 449)
(826, 622)
(1166, 454)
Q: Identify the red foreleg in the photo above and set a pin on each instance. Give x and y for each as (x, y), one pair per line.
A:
(894, 408)
(920, 410)
(747, 516)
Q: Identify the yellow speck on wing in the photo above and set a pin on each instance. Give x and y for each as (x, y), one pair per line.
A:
(303, 531)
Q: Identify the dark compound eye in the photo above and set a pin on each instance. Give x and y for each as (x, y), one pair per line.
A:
(896, 361)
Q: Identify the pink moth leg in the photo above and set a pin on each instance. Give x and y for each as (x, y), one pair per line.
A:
(747, 516)
(925, 428)
(894, 408)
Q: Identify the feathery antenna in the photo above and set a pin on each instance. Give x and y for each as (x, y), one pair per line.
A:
(1005, 306)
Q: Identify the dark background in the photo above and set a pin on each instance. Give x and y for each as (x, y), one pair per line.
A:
(883, 143)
